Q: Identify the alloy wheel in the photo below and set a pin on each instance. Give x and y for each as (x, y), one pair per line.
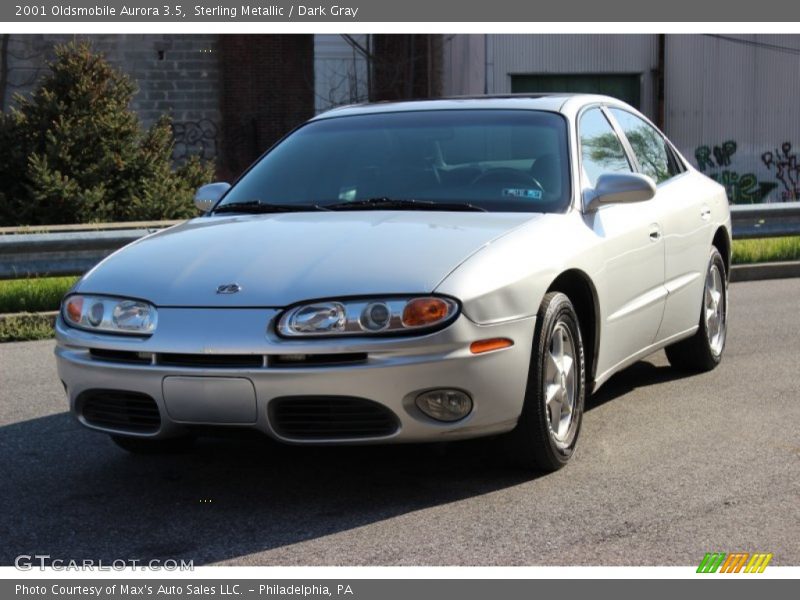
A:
(560, 388)
(715, 310)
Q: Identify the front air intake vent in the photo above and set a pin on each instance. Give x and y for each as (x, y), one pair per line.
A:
(120, 411)
(121, 356)
(317, 360)
(212, 361)
(330, 417)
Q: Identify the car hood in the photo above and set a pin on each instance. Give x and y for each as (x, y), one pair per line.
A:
(279, 259)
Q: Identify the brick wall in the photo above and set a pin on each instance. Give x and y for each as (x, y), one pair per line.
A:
(176, 74)
(230, 97)
(406, 66)
(267, 89)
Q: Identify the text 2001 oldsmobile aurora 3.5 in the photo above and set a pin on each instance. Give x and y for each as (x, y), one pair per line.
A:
(407, 272)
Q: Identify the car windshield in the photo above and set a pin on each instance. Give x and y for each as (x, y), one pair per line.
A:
(484, 160)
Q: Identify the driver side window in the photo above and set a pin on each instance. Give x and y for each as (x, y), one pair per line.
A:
(649, 147)
(601, 149)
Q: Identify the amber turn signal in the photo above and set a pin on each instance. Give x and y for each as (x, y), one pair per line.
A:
(482, 346)
(75, 309)
(425, 311)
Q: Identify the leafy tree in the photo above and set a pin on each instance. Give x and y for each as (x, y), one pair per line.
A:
(74, 152)
(647, 146)
(606, 150)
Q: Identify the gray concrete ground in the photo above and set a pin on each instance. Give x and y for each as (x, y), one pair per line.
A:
(669, 467)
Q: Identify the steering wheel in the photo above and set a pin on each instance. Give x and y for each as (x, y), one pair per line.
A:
(508, 176)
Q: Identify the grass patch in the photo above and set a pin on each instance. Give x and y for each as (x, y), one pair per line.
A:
(766, 250)
(25, 327)
(33, 295)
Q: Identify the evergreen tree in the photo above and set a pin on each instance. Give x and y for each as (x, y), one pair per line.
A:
(74, 152)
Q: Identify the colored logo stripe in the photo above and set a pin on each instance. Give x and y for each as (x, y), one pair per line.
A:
(758, 563)
(711, 562)
(734, 562)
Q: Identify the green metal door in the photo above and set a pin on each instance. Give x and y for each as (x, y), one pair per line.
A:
(624, 87)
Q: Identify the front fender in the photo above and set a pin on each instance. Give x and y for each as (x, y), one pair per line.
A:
(507, 279)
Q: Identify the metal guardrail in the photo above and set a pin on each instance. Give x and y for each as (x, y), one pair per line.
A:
(63, 252)
(73, 250)
(765, 220)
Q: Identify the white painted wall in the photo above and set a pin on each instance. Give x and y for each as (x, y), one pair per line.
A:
(340, 72)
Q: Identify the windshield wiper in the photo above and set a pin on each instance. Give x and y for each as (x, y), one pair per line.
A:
(256, 207)
(385, 203)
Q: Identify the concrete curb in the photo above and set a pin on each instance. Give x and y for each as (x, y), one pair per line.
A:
(770, 270)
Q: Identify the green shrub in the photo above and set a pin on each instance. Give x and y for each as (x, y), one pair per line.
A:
(26, 326)
(73, 151)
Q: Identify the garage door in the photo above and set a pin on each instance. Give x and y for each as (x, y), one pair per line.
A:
(625, 87)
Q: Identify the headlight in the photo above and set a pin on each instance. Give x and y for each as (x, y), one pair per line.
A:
(109, 315)
(373, 316)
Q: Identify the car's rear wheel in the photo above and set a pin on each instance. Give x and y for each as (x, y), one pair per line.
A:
(703, 351)
(136, 445)
(548, 428)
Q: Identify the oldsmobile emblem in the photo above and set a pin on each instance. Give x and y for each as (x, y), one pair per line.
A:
(229, 288)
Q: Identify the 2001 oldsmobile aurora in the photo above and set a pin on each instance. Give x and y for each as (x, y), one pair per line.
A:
(405, 272)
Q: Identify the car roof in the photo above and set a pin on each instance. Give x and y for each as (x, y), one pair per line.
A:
(556, 102)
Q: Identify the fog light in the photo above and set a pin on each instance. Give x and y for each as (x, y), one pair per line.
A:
(445, 405)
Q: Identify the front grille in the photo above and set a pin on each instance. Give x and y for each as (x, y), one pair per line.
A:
(220, 361)
(123, 411)
(330, 417)
(317, 360)
(121, 356)
(229, 361)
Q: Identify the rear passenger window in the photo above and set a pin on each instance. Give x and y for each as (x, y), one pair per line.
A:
(648, 146)
(601, 150)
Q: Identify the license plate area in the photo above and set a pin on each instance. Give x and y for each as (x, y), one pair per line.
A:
(210, 400)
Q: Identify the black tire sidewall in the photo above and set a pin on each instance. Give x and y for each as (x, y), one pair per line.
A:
(533, 428)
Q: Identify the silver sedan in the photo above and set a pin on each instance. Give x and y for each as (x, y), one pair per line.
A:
(416, 271)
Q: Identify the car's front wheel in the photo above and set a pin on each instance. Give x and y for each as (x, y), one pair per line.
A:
(548, 428)
(136, 445)
(703, 351)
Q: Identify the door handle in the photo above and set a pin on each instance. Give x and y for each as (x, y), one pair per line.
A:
(705, 212)
(655, 232)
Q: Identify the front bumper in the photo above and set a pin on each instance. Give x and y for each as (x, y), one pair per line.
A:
(389, 371)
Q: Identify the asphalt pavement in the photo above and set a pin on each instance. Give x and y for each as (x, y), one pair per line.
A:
(669, 467)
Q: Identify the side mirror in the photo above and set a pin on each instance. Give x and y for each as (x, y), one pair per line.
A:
(207, 195)
(619, 188)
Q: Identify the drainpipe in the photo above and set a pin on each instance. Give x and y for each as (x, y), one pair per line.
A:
(662, 43)
(4, 70)
(485, 63)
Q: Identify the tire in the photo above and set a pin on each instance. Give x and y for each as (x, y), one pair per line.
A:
(535, 443)
(136, 445)
(703, 351)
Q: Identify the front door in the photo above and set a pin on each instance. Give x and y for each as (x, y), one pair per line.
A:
(632, 250)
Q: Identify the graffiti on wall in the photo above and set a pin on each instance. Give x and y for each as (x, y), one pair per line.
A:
(784, 164)
(195, 137)
(741, 187)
